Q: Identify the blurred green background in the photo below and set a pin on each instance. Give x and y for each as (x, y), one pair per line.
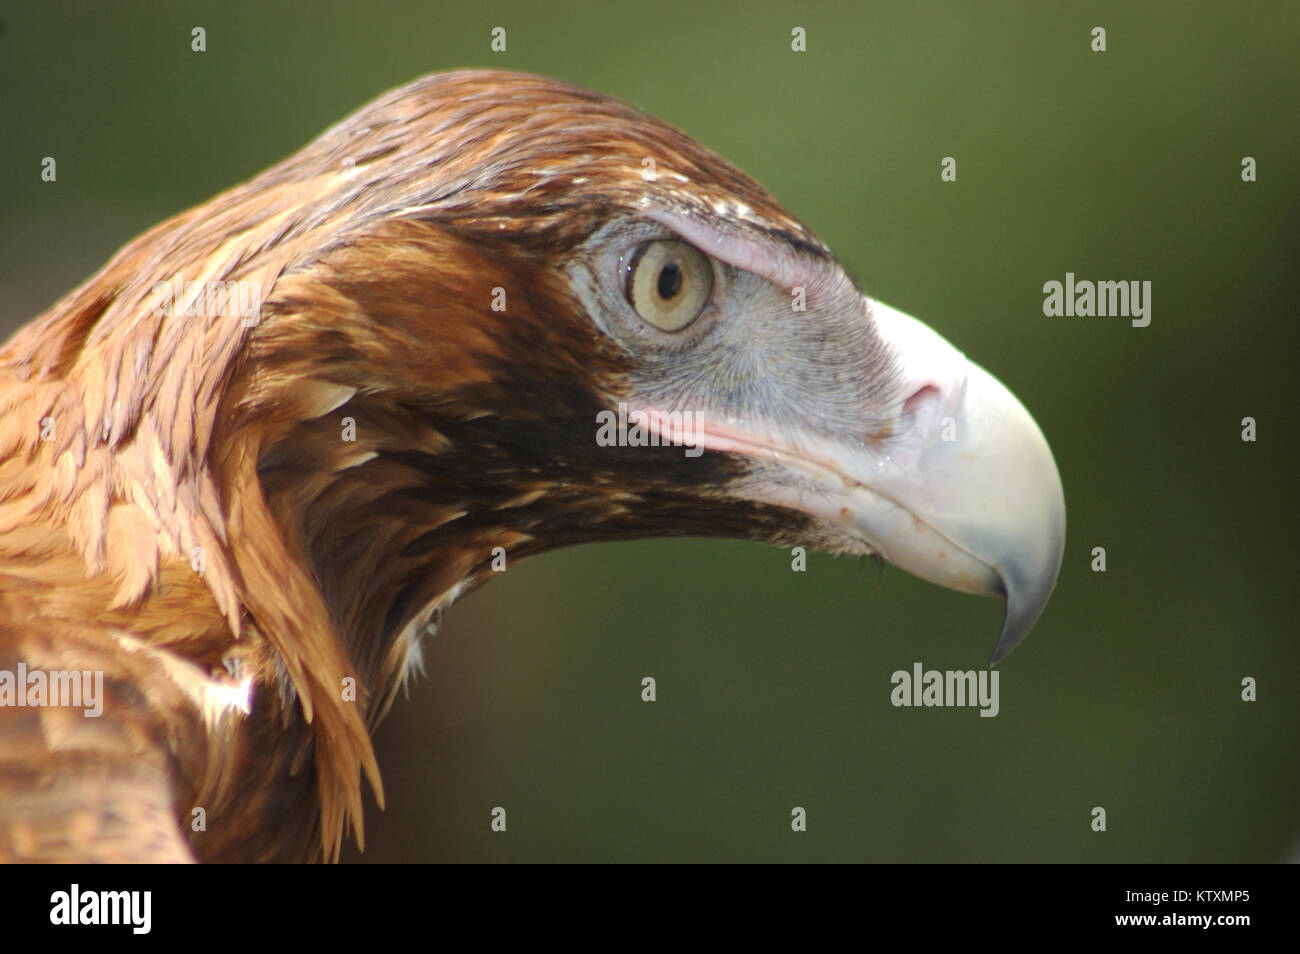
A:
(774, 686)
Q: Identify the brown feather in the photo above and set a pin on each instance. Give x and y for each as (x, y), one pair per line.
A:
(195, 519)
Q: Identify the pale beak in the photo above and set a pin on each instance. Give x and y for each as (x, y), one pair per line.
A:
(976, 472)
(962, 490)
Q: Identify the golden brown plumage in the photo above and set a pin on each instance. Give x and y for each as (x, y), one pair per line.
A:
(181, 509)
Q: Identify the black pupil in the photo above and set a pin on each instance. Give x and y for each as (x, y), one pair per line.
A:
(670, 281)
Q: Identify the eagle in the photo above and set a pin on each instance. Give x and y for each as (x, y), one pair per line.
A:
(249, 463)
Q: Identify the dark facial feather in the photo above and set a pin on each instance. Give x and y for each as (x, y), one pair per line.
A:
(376, 252)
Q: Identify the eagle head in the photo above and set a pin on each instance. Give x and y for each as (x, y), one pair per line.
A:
(565, 321)
(487, 315)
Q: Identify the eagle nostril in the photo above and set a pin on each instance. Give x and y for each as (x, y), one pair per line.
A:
(912, 414)
(923, 395)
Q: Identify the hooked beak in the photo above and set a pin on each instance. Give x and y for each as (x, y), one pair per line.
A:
(962, 492)
(977, 476)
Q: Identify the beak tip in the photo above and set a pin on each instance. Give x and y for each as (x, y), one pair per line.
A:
(1006, 643)
(1020, 616)
(1008, 640)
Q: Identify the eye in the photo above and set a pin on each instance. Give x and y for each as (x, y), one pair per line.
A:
(668, 283)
